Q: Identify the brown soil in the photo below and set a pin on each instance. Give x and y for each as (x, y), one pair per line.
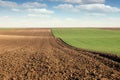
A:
(35, 54)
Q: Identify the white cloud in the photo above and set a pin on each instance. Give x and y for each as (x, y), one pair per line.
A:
(64, 6)
(31, 8)
(33, 5)
(81, 1)
(8, 4)
(35, 15)
(97, 8)
(93, 1)
(67, 7)
(15, 9)
(95, 14)
(93, 8)
(73, 1)
(41, 11)
(11, 4)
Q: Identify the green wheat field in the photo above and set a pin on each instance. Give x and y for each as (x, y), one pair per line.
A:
(101, 40)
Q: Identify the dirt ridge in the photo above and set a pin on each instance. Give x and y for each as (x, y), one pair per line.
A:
(110, 56)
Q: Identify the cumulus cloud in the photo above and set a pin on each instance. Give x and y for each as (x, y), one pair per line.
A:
(73, 1)
(31, 8)
(64, 6)
(81, 1)
(96, 8)
(33, 5)
(11, 4)
(8, 4)
(93, 1)
(41, 11)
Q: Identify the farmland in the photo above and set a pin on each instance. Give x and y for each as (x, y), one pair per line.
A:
(35, 54)
(102, 40)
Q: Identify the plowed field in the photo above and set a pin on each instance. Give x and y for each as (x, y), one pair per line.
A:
(35, 54)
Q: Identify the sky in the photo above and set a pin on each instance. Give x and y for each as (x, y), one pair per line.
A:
(59, 13)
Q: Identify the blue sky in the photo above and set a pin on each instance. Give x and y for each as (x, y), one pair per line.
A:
(59, 13)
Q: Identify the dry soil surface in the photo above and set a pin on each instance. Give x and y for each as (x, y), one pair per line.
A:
(35, 54)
